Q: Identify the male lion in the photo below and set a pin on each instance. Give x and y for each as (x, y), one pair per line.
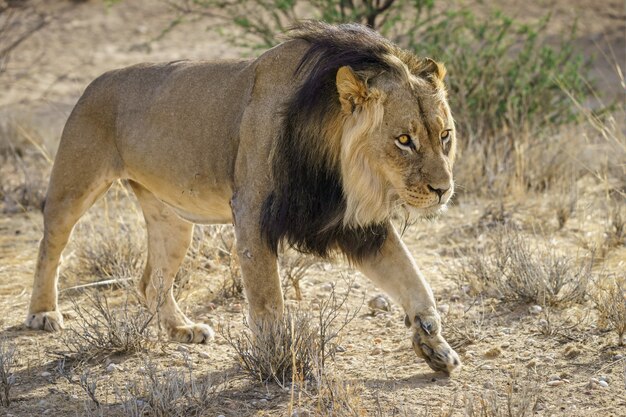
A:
(313, 144)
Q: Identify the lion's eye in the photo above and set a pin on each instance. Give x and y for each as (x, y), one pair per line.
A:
(445, 136)
(404, 140)
(406, 143)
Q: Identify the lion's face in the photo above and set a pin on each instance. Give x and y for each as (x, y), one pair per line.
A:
(414, 146)
(399, 143)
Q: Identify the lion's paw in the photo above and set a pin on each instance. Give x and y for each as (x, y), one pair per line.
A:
(50, 321)
(192, 333)
(430, 345)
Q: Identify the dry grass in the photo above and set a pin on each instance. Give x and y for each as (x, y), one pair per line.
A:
(295, 348)
(609, 297)
(520, 399)
(24, 169)
(510, 267)
(167, 392)
(293, 267)
(101, 329)
(8, 363)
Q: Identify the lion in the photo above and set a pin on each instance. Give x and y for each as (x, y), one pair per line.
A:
(312, 145)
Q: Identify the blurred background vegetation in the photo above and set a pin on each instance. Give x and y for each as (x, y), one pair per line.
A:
(512, 85)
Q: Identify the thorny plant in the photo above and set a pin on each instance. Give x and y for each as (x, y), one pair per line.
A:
(294, 347)
(86, 381)
(102, 329)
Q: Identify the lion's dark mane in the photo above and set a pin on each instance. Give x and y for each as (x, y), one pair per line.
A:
(307, 205)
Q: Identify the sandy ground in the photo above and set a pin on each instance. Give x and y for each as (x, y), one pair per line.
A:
(508, 350)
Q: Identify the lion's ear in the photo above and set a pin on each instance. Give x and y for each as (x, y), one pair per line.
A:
(431, 68)
(352, 90)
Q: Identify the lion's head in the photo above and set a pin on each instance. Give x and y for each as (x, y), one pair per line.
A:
(368, 129)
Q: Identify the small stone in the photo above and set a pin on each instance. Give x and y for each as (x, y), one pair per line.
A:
(443, 308)
(378, 340)
(535, 309)
(489, 385)
(221, 415)
(376, 351)
(46, 374)
(327, 287)
(182, 348)
(554, 378)
(379, 303)
(112, 367)
(556, 383)
(204, 355)
(618, 357)
(603, 384)
(263, 401)
(603, 378)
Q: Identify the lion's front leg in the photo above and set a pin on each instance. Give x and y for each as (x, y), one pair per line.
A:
(259, 267)
(395, 272)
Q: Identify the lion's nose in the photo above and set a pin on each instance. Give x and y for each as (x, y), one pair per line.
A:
(438, 191)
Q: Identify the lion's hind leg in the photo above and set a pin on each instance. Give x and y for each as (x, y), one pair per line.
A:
(168, 239)
(69, 196)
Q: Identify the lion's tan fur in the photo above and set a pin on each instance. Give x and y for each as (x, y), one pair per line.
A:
(194, 140)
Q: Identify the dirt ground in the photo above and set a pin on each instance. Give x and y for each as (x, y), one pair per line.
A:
(506, 347)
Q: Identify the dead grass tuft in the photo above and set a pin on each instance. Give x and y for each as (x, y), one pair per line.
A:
(101, 329)
(509, 267)
(170, 392)
(295, 348)
(609, 297)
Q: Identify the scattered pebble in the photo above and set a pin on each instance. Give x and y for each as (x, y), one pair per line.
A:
(554, 378)
(327, 287)
(379, 303)
(556, 383)
(204, 355)
(376, 351)
(489, 385)
(535, 309)
(112, 367)
(443, 308)
(603, 378)
(46, 374)
(594, 382)
(182, 348)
